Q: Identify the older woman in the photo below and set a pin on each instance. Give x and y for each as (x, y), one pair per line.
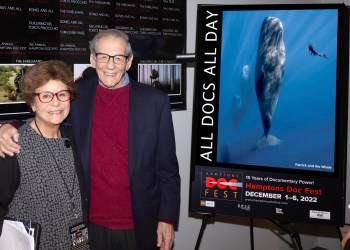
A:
(44, 182)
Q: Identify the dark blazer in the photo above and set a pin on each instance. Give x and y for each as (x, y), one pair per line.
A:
(153, 167)
(10, 178)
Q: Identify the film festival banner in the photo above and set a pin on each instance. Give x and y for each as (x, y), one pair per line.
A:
(269, 137)
(36, 30)
(284, 197)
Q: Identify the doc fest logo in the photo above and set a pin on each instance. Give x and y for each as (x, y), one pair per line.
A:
(221, 185)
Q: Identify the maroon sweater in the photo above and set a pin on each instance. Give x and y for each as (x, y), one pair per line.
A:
(110, 191)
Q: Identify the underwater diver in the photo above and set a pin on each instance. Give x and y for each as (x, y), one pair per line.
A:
(315, 53)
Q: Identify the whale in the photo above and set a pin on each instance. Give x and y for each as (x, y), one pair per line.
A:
(269, 71)
(242, 99)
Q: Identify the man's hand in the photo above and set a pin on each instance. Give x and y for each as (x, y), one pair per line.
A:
(8, 140)
(165, 236)
(345, 239)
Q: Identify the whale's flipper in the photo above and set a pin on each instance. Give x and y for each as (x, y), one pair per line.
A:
(264, 141)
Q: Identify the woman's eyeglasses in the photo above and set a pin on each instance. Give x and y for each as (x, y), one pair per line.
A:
(47, 96)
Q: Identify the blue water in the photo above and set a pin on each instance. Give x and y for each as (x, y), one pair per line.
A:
(304, 118)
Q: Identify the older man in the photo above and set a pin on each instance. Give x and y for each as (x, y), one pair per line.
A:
(125, 138)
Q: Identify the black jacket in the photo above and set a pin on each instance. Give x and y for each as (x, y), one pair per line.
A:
(10, 178)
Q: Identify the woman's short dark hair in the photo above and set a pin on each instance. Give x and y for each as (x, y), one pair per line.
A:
(41, 73)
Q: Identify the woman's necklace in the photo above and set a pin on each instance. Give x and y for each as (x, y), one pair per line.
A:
(69, 192)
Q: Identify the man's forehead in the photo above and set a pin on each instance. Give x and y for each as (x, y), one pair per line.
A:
(111, 43)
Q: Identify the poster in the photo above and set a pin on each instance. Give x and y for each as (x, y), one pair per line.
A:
(36, 30)
(270, 112)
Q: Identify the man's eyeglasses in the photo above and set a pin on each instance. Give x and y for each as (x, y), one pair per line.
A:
(47, 96)
(117, 59)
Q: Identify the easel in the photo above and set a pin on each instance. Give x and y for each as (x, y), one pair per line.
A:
(293, 233)
(201, 231)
